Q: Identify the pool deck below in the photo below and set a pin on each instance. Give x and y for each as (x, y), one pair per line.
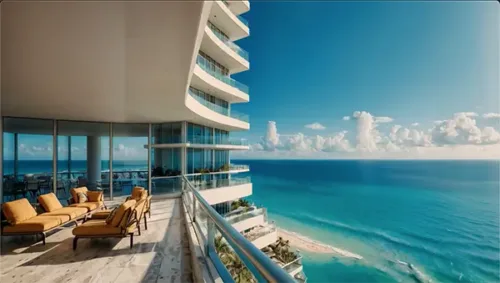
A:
(160, 254)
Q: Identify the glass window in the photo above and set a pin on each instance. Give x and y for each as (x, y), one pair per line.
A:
(27, 159)
(167, 133)
(130, 158)
(87, 158)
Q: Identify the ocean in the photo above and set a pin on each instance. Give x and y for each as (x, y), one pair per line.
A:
(45, 166)
(440, 217)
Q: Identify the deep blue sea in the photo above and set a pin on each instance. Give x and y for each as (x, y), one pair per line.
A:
(440, 216)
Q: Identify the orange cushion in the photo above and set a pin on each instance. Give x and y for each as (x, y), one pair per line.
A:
(88, 205)
(75, 191)
(95, 228)
(49, 202)
(70, 212)
(137, 192)
(34, 224)
(94, 196)
(18, 211)
(121, 212)
(103, 214)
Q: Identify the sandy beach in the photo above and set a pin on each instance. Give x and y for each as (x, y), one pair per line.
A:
(306, 244)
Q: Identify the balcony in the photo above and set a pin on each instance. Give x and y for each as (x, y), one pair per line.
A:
(233, 25)
(217, 108)
(219, 47)
(238, 7)
(295, 267)
(215, 190)
(207, 79)
(262, 236)
(247, 218)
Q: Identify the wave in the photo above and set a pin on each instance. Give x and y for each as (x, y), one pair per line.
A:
(374, 234)
(308, 240)
(415, 273)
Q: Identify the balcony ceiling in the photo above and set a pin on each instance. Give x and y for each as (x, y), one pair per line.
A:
(100, 61)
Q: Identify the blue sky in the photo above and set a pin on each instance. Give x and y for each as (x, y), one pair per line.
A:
(415, 62)
(371, 79)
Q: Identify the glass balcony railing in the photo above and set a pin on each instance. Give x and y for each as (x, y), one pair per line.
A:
(219, 109)
(207, 182)
(238, 167)
(244, 215)
(260, 231)
(227, 42)
(294, 265)
(211, 224)
(210, 140)
(210, 68)
(243, 20)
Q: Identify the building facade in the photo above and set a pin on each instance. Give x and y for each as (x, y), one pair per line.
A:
(138, 95)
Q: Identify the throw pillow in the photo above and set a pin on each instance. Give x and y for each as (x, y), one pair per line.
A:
(94, 196)
(82, 198)
(111, 215)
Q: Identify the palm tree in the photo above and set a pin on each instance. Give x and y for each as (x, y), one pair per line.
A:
(233, 263)
(240, 202)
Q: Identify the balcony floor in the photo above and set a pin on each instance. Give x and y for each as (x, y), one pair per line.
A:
(160, 254)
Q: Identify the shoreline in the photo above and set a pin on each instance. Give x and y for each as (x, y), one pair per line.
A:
(306, 244)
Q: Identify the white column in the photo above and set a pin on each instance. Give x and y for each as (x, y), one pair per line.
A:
(149, 160)
(2, 156)
(93, 160)
(54, 157)
(111, 158)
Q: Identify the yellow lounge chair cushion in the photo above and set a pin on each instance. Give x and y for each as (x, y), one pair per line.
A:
(49, 202)
(35, 224)
(70, 212)
(96, 228)
(121, 212)
(18, 211)
(75, 191)
(103, 214)
(137, 193)
(94, 196)
(88, 205)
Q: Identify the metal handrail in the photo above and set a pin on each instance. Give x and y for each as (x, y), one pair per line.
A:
(265, 267)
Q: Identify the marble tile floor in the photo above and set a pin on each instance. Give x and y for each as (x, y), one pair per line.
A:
(160, 254)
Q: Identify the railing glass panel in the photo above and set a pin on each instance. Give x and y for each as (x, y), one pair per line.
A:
(219, 109)
(214, 181)
(224, 38)
(261, 267)
(246, 215)
(211, 68)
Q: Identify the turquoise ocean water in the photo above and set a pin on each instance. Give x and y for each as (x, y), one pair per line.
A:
(442, 217)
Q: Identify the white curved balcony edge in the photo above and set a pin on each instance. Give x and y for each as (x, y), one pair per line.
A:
(220, 195)
(209, 84)
(222, 53)
(204, 114)
(266, 240)
(250, 223)
(227, 21)
(205, 146)
(239, 7)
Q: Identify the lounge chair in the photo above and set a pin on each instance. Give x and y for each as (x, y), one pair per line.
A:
(22, 218)
(138, 194)
(124, 223)
(95, 199)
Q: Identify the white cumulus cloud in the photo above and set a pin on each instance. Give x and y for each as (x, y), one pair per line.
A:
(346, 118)
(491, 115)
(315, 126)
(456, 137)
